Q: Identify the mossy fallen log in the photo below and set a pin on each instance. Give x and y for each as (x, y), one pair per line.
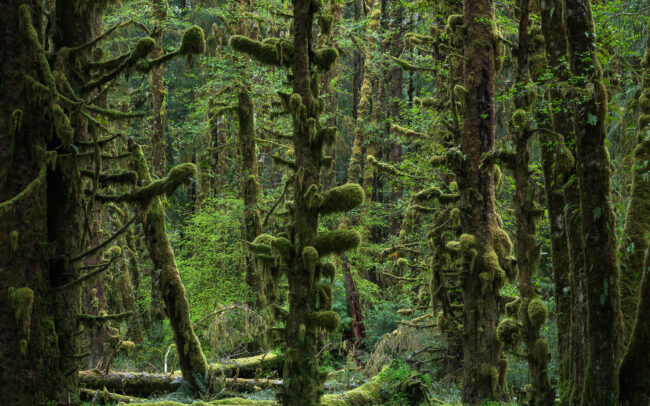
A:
(370, 393)
(145, 384)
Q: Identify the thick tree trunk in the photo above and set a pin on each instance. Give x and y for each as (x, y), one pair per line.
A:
(604, 324)
(483, 365)
(635, 369)
(637, 220)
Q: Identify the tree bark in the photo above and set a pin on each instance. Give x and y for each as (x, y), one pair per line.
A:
(482, 363)
(604, 324)
(191, 359)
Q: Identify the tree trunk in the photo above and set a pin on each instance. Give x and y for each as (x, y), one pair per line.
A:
(637, 220)
(482, 365)
(604, 324)
(191, 359)
(250, 188)
(635, 369)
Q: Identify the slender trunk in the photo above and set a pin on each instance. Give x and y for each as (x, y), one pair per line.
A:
(250, 187)
(159, 11)
(604, 324)
(191, 359)
(566, 239)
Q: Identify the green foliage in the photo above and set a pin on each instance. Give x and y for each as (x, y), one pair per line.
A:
(210, 253)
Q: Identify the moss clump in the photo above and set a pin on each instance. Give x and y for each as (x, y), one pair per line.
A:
(537, 312)
(509, 332)
(325, 296)
(142, 48)
(310, 259)
(540, 350)
(126, 347)
(264, 52)
(328, 270)
(341, 199)
(192, 41)
(337, 241)
(327, 135)
(402, 262)
(502, 243)
(490, 373)
(328, 320)
(14, 238)
(21, 302)
(519, 118)
(282, 247)
(325, 22)
(324, 58)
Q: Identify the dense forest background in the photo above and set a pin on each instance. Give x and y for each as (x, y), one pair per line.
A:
(322, 201)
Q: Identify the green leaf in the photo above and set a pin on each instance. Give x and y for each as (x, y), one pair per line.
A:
(592, 119)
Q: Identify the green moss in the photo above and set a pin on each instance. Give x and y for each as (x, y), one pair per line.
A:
(519, 118)
(328, 270)
(62, 125)
(337, 241)
(324, 58)
(127, 347)
(490, 373)
(537, 312)
(509, 332)
(193, 41)
(21, 302)
(402, 262)
(341, 199)
(325, 296)
(310, 259)
(282, 246)
(327, 135)
(328, 320)
(142, 48)
(512, 308)
(272, 51)
(14, 239)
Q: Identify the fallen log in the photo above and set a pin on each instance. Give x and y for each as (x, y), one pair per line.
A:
(369, 393)
(145, 384)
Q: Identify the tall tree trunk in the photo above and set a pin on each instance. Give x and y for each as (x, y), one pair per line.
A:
(482, 364)
(635, 368)
(637, 220)
(159, 11)
(566, 253)
(250, 187)
(604, 324)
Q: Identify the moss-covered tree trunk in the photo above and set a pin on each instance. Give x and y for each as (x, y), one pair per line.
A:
(34, 367)
(635, 368)
(637, 220)
(568, 302)
(604, 324)
(532, 310)
(484, 277)
(250, 187)
(190, 355)
(158, 92)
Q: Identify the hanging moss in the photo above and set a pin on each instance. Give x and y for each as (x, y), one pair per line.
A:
(519, 118)
(402, 262)
(21, 302)
(282, 247)
(192, 41)
(328, 320)
(537, 312)
(328, 270)
(512, 308)
(272, 51)
(14, 238)
(325, 58)
(341, 199)
(509, 333)
(327, 135)
(337, 241)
